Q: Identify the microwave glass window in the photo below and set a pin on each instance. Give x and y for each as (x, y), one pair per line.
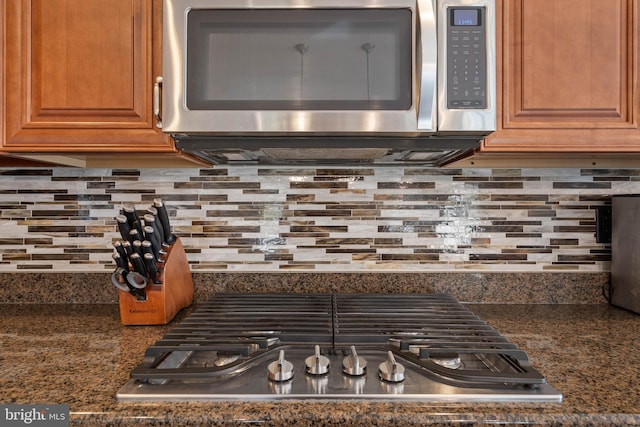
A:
(311, 59)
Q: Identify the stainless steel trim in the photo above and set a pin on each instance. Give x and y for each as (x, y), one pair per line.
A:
(466, 119)
(428, 65)
(157, 88)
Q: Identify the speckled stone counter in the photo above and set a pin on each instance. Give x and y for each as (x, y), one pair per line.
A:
(80, 355)
(480, 287)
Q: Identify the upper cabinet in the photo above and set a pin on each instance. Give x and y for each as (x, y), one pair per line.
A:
(77, 78)
(79, 74)
(568, 78)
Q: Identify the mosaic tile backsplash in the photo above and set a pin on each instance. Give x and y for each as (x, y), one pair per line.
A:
(265, 219)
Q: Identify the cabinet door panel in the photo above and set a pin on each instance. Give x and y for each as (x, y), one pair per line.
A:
(71, 68)
(568, 73)
(81, 75)
(573, 56)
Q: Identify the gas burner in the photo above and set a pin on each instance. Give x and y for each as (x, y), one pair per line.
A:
(452, 362)
(224, 359)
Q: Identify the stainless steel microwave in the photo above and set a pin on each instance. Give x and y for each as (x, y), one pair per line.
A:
(352, 71)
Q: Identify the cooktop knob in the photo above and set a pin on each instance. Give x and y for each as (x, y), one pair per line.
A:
(281, 369)
(390, 370)
(317, 364)
(353, 364)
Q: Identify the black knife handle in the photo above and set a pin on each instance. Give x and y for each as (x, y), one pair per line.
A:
(146, 247)
(134, 235)
(128, 249)
(150, 235)
(150, 220)
(120, 249)
(120, 261)
(138, 264)
(123, 227)
(153, 220)
(137, 247)
(163, 216)
(132, 217)
(152, 269)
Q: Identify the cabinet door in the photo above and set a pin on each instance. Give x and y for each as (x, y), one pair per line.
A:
(569, 76)
(79, 75)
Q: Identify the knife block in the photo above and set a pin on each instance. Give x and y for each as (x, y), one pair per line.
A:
(163, 300)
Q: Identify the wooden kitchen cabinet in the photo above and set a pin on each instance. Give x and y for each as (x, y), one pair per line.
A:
(79, 75)
(568, 77)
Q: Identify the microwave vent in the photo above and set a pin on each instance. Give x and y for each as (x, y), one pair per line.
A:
(354, 154)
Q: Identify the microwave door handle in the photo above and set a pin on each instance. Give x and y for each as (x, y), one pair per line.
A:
(427, 56)
(157, 89)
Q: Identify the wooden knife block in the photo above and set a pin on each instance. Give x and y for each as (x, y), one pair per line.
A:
(164, 300)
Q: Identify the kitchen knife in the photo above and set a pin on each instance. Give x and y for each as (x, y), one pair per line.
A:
(138, 277)
(137, 264)
(128, 250)
(163, 216)
(134, 235)
(132, 217)
(137, 247)
(152, 221)
(123, 227)
(120, 261)
(120, 250)
(146, 249)
(152, 269)
(157, 224)
(150, 235)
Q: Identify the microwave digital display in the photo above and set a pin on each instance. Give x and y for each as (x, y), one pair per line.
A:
(466, 17)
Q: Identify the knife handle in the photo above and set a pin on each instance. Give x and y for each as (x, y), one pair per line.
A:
(120, 250)
(152, 222)
(137, 247)
(152, 269)
(152, 219)
(138, 265)
(134, 235)
(120, 261)
(150, 235)
(163, 216)
(127, 248)
(123, 227)
(132, 217)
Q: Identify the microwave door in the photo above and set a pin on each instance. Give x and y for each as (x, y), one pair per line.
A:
(240, 67)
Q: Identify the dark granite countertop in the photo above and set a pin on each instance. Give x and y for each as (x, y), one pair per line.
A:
(80, 355)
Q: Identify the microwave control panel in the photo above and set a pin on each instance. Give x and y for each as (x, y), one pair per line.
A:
(466, 58)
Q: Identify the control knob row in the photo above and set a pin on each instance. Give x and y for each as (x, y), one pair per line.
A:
(390, 370)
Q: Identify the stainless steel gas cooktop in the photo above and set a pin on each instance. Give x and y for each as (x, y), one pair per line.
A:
(425, 347)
